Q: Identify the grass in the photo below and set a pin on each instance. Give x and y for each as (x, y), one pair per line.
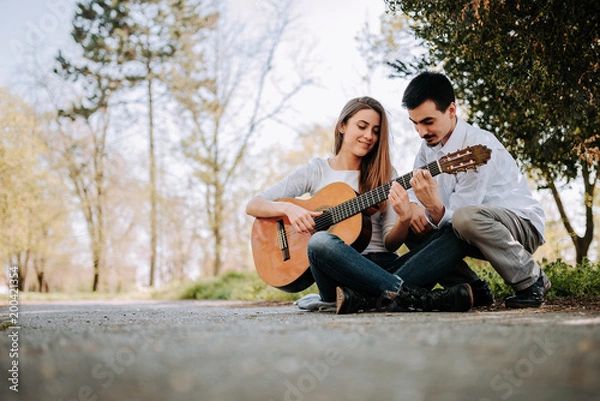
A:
(240, 287)
(582, 281)
(567, 282)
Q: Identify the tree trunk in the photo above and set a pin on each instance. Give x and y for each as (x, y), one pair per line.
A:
(20, 261)
(96, 243)
(153, 194)
(96, 275)
(581, 244)
(39, 262)
(40, 280)
(218, 219)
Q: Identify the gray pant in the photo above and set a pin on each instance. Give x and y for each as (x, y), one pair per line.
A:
(504, 239)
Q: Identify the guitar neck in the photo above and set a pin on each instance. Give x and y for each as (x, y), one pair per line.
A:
(368, 199)
(433, 168)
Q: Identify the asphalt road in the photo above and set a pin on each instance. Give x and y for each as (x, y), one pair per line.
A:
(193, 350)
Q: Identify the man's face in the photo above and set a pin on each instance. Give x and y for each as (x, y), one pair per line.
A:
(432, 125)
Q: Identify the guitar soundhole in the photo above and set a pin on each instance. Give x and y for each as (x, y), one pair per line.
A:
(325, 221)
(283, 240)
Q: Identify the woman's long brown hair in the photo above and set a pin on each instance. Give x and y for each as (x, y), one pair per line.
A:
(376, 166)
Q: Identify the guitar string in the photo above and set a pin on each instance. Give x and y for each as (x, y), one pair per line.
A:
(363, 201)
(355, 205)
(367, 199)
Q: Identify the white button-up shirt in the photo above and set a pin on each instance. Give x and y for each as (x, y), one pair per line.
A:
(498, 183)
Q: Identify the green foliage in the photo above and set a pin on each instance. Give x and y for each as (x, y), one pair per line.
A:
(240, 287)
(122, 43)
(568, 281)
(487, 272)
(32, 213)
(528, 72)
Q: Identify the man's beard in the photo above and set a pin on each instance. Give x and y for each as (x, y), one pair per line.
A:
(430, 144)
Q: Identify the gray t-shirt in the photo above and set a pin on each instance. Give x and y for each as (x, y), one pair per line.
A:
(317, 174)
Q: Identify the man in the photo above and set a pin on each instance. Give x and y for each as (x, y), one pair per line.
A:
(492, 209)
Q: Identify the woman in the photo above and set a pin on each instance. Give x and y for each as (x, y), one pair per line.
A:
(350, 281)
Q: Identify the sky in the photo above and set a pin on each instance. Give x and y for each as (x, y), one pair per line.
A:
(329, 26)
(38, 25)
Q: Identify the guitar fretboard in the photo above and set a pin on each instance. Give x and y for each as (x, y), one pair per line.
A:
(366, 200)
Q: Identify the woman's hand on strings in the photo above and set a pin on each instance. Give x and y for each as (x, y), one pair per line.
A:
(300, 218)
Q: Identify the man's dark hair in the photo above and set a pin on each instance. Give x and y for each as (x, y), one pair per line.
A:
(428, 86)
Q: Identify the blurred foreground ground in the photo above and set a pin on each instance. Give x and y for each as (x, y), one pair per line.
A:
(208, 350)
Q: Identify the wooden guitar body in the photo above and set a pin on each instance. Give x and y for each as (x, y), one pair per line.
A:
(286, 267)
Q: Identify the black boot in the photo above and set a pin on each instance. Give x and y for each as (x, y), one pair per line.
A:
(349, 301)
(531, 297)
(482, 293)
(458, 298)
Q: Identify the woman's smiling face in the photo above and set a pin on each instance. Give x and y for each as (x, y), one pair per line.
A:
(361, 132)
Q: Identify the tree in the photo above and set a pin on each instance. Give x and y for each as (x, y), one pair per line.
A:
(124, 44)
(31, 212)
(143, 28)
(226, 86)
(127, 43)
(83, 126)
(393, 42)
(528, 72)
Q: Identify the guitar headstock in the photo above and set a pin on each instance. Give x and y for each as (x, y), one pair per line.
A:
(465, 159)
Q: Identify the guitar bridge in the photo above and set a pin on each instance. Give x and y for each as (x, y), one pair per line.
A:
(283, 240)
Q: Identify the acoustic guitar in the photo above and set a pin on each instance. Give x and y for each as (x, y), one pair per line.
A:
(280, 253)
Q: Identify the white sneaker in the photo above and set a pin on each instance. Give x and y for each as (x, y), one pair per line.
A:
(313, 303)
(547, 283)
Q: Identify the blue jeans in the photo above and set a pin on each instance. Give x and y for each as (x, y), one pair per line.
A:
(333, 263)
